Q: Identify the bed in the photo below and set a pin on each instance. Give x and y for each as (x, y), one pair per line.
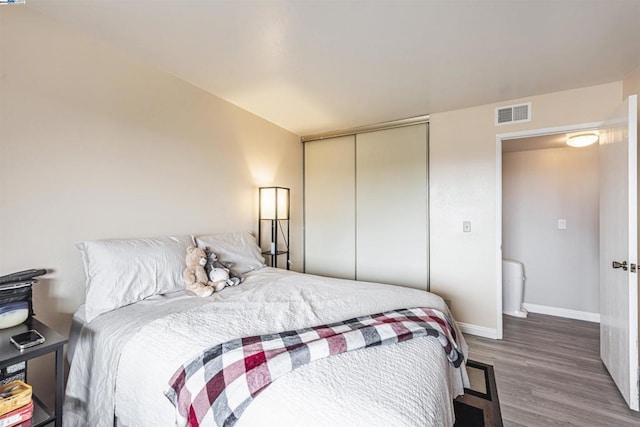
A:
(124, 357)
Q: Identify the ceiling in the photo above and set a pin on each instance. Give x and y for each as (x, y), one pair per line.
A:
(317, 66)
(542, 142)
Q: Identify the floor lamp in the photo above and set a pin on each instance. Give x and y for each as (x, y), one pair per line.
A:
(274, 219)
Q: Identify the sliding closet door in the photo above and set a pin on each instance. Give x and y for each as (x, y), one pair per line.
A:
(329, 206)
(391, 203)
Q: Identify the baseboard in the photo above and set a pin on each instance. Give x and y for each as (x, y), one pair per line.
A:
(563, 312)
(480, 331)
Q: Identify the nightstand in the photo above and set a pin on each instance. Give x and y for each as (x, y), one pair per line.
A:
(54, 342)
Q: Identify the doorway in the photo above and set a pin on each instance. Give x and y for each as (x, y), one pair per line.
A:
(505, 138)
(550, 223)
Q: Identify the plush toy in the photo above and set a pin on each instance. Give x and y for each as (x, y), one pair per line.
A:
(220, 278)
(195, 276)
(219, 272)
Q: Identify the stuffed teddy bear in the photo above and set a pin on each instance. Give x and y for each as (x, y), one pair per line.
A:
(195, 276)
(219, 273)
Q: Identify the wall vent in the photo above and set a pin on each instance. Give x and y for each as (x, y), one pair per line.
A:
(513, 114)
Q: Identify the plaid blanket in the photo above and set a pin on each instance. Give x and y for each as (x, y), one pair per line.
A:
(215, 387)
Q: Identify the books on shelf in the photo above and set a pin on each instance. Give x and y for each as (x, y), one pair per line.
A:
(18, 417)
(17, 371)
(16, 406)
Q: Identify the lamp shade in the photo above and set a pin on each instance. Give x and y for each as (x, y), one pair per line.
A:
(274, 203)
(582, 140)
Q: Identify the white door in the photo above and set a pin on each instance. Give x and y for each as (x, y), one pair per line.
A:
(619, 250)
(330, 207)
(392, 206)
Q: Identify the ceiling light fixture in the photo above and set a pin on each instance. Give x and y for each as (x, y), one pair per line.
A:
(582, 140)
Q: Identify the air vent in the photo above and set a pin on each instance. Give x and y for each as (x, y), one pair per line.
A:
(513, 114)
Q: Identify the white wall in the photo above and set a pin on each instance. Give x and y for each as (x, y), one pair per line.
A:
(95, 144)
(464, 181)
(539, 187)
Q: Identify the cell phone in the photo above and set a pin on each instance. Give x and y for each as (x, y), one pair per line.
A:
(27, 339)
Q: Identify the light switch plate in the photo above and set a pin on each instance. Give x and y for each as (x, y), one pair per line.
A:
(562, 224)
(466, 226)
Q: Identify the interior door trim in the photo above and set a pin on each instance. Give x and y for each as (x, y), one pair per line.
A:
(500, 137)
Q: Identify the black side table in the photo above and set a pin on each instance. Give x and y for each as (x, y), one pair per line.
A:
(10, 355)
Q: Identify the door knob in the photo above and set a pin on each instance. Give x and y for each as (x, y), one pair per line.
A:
(623, 265)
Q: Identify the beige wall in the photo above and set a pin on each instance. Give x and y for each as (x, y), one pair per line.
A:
(95, 144)
(631, 85)
(463, 186)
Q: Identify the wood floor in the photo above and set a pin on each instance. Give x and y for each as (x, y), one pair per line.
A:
(549, 373)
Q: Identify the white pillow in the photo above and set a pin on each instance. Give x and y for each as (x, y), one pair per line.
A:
(121, 272)
(239, 249)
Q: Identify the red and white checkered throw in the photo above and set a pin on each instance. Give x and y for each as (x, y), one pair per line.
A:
(214, 388)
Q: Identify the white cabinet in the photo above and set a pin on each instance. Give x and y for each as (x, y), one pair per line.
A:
(366, 206)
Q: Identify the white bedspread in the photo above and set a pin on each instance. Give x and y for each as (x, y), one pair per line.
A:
(408, 384)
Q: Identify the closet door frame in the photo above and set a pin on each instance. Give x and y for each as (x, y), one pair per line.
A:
(354, 132)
